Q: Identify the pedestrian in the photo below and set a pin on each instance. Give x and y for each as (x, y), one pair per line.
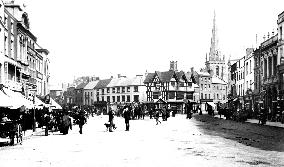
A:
(66, 123)
(157, 115)
(110, 119)
(126, 115)
(46, 123)
(82, 120)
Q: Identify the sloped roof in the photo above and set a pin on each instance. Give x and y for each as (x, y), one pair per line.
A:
(203, 74)
(167, 76)
(91, 85)
(81, 86)
(117, 82)
(102, 83)
(138, 80)
(149, 77)
(216, 80)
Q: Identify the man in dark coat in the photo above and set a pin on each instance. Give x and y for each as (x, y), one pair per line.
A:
(110, 119)
(126, 115)
(81, 121)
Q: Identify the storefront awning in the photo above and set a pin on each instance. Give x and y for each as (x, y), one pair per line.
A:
(211, 104)
(54, 104)
(5, 100)
(17, 100)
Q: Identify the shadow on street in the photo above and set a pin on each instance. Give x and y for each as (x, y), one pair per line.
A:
(259, 136)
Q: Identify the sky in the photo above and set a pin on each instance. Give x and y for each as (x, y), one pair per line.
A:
(129, 37)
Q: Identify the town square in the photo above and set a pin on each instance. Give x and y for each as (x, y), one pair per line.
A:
(141, 83)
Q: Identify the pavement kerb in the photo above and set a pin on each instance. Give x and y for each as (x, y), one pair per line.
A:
(255, 121)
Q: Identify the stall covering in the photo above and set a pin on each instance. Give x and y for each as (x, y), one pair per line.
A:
(17, 100)
(5, 100)
(39, 104)
(54, 105)
(212, 104)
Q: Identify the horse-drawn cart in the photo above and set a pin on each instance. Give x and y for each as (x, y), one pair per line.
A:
(11, 132)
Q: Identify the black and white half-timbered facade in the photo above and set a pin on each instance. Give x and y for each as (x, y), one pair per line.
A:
(171, 88)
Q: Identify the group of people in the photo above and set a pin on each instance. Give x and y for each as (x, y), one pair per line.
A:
(126, 114)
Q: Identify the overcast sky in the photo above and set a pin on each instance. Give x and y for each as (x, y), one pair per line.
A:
(128, 37)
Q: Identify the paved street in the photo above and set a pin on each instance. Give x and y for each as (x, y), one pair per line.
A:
(177, 142)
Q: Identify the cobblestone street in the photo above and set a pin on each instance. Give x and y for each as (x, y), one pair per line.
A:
(177, 142)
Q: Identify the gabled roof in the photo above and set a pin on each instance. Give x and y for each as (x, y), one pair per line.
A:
(188, 76)
(166, 76)
(102, 83)
(81, 86)
(91, 85)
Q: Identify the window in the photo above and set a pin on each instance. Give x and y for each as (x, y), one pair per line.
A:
(217, 70)
(108, 98)
(91, 94)
(173, 83)
(123, 98)
(118, 99)
(209, 96)
(118, 90)
(156, 95)
(217, 96)
(250, 66)
(201, 95)
(172, 95)
(280, 32)
(113, 98)
(205, 96)
(128, 98)
(224, 97)
(201, 86)
(123, 89)
(136, 98)
(205, 86)
(113, 90)
(107, 90)
(209, 86)
(128, 89)
(247, 68)
(135, 88)
(103, 91)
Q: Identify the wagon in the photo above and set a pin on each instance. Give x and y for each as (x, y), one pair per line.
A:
(11, 132)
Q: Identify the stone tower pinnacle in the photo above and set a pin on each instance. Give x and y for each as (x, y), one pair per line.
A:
(214, 55)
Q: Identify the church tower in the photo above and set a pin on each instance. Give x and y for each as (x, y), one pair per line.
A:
(215, 62)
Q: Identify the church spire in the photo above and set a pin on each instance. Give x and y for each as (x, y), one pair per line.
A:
(214, 55)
